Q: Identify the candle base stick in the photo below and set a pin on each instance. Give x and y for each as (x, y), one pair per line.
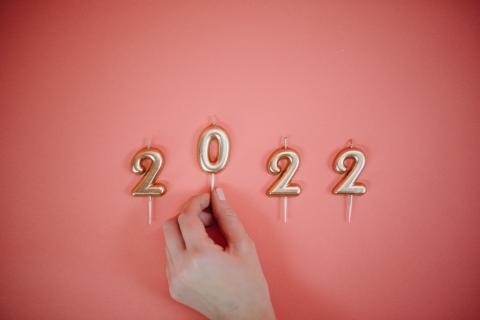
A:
(349, 208)
(285, 209)
(212, 182)
(150, 210)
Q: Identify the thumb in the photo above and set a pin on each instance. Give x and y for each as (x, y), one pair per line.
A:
(228, 221)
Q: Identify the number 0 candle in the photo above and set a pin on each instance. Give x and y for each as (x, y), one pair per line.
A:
(213, 164)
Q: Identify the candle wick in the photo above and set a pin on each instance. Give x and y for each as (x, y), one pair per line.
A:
(213, 120)
(149, 142)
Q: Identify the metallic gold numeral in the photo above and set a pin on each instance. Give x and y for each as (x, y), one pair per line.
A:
(147, 185)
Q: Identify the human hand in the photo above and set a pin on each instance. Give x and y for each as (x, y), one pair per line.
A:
(219, 283)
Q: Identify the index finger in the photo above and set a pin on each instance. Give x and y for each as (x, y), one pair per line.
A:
(191, 226)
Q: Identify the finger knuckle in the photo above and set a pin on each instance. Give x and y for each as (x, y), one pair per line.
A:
(179, 280)
(182, 218)
(196, 255)
(182, 278)
(176, 287)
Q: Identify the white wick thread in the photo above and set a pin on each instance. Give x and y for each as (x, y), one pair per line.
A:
(213, 119)
(350, 143)
(149, 142)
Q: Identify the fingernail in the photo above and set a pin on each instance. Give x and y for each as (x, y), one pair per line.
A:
(220, 194)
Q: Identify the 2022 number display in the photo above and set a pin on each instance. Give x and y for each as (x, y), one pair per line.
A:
(349, 162)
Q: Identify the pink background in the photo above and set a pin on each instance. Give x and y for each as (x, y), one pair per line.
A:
(83, 85)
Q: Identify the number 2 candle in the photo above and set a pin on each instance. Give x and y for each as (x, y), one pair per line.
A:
(349, 185)
(147, 186)
(283, 186)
